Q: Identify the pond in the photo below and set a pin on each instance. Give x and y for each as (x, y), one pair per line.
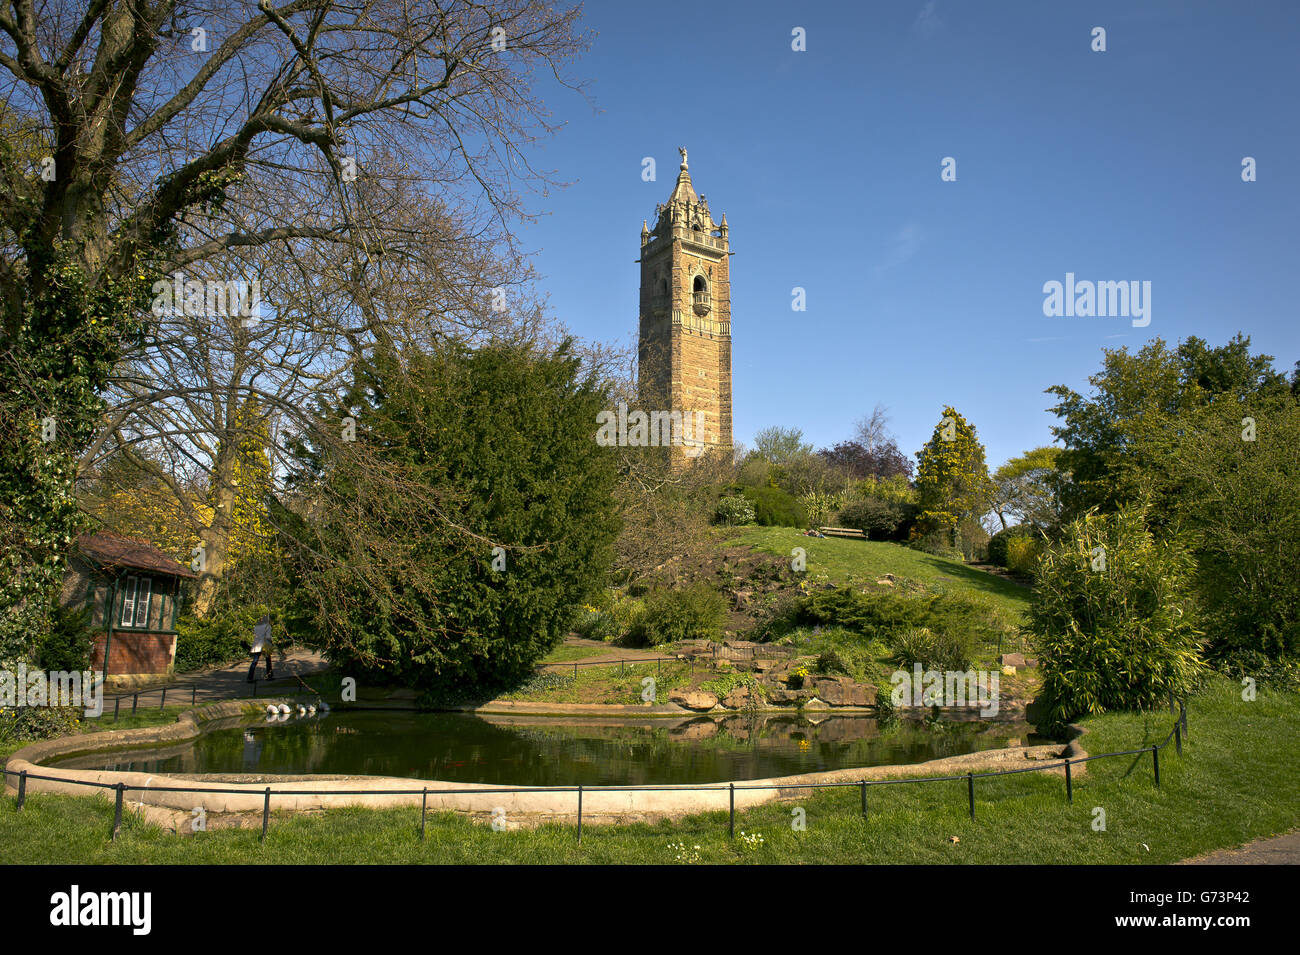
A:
(546, 751)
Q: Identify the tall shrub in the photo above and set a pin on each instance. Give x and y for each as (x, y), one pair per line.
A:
(1113, 617)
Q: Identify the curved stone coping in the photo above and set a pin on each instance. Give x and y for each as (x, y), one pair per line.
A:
(539, 803)
(501, 707)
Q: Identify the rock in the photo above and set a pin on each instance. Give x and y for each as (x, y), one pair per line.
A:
(763, 665)
(887, 580)
(815, 704)
(784, 697)
(741, 697)
(691, 649)
(694, 699)
(843, 691)
(831, 689)
(1013, 660)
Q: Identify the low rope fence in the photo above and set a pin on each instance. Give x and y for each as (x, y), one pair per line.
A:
(134, 695)
(1177, 735)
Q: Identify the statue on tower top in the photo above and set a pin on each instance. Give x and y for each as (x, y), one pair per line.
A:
(682, 150)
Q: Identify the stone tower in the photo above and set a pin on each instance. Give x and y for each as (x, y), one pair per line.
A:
(684, 352)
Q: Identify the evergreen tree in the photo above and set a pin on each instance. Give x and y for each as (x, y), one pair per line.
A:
(952, 478)
(449, 544)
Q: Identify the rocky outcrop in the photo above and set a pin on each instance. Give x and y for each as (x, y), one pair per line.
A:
(743, 696)
(694, 699)
(842, 691)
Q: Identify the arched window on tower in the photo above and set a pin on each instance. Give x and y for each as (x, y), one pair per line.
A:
(659, 297)
(700, 294)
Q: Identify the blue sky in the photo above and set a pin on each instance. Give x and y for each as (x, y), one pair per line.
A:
(1122, 165)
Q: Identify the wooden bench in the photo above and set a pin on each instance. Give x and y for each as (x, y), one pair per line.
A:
(843, 532)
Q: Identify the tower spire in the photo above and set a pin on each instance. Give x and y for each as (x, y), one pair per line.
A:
(684, 342)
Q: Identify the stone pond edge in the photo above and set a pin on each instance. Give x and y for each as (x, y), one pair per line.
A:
(526, 807)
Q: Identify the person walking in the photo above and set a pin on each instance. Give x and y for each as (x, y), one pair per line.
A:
(261, 645)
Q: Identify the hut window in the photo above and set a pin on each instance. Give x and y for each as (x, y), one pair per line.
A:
(136, 594)
(142, 597)
(128, 601)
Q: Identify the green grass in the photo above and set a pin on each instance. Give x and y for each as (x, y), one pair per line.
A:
(845, 561)
(563, 654)
(1234, 783)
(608, 683)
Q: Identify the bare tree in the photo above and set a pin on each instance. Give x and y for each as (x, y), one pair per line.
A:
(174, 137)
(872, 430)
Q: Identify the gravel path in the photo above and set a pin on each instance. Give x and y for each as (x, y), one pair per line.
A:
(228, 682)
(1277, 850)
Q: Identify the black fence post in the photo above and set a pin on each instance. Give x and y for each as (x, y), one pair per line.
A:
(1069, 784)
(117, 809)
(22, 790)
(970, 789)
(863, 784)
(163, 705)
(1178, 738)
(1182, 715)
(1155, 763)
(579, 813)
(117, 701)
(575, 669)
(424, 802)
(135, 698)
(731, 829)
(266, 813)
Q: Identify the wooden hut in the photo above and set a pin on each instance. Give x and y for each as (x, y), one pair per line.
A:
(134, 592)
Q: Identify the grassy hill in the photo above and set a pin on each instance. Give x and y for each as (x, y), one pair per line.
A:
(844, 561)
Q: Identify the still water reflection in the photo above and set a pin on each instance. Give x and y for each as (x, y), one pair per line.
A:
(546, 752)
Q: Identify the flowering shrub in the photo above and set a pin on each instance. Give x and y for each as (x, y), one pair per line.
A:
(1022, 555)
(596, 624)
(735, 510)
(25, 723)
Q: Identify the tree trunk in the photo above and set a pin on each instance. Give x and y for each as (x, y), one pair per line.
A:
(216, 537)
